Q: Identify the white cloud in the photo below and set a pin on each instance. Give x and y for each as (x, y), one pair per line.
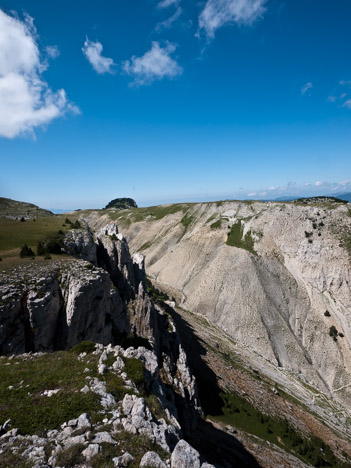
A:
(345, 83)
(318, 183)
(26, 101)
(252, 194)
(306, 88)
(168, 3)
(217, 13)
(331, 98)
(167, 24)
(347, 104)
(273, 188)
(92, 51)
(155, 64)
(53, 51)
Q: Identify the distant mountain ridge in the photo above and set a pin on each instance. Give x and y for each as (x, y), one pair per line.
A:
(14, 209)
(340, 196)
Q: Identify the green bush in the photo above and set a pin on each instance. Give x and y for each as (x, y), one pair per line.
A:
(327, 313)
(333, 332)
(22, 220)
(75, 225)
(71, 456)
(40, 249)
(26, 251)
(83, 347)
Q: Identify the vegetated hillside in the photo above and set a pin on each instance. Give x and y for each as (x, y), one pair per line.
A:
(15, 233)
(274, 276)
(122, 204)
(16, 210)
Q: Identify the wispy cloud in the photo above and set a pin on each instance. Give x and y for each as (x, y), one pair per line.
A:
(341, 94)
(293, 189)
(26, 100)
(168, 23)
(306, 89)
(155, 64)
(92, 51)
(52, 51)
(168, 3)
(218, 13)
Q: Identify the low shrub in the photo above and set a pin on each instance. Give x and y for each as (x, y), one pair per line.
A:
(333, 332)
(71, 456)
(26, 251)
(83, 347)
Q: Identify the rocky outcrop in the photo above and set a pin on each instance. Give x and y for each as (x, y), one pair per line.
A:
(131, 415)
(100, 296)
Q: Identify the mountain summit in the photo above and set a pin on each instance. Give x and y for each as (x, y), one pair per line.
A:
(122, 204)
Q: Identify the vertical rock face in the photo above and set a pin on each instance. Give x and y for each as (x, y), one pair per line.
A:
(64, 303)
(99, 296)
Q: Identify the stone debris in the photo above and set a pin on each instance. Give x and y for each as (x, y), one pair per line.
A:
(152, 459)
(131, 414)
(185, 456)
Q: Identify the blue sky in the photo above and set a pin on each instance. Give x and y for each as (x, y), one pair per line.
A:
(173, 100)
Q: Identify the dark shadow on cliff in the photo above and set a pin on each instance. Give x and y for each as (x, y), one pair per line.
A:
(216, 446)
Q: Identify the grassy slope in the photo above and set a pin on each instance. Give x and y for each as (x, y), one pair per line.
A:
(23, 380)
(14, 234)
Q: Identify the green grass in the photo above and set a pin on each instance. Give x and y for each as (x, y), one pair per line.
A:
(239, 413)
(187, 220)
(135, 371)
(216, 225)
(148, 213)
(235, 238)
(136, 445)
(71, 456)
(31, 412)
(211, 218)
(14, 234)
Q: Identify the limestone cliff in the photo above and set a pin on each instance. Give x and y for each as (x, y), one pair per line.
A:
(279, 288)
